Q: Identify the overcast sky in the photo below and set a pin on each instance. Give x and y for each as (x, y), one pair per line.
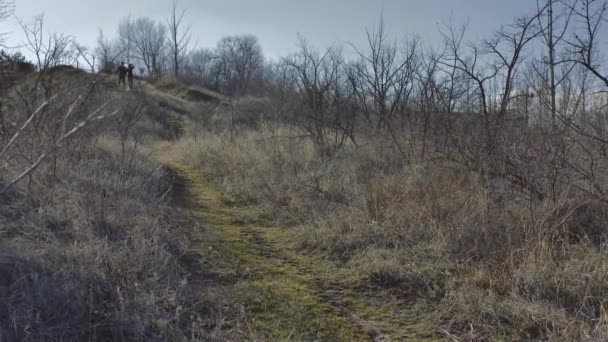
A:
(275, 22)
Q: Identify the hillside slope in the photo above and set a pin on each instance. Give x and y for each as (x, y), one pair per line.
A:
(118, 236)
(91, 246)
(172, 217)
(284, 292)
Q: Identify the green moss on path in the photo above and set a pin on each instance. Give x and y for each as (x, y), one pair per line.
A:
(288, 295)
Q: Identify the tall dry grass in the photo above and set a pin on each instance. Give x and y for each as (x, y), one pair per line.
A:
(91, 246)
(496, 262)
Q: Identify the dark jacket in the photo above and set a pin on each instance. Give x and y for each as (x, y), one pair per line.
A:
(130, 69)
(122, 70)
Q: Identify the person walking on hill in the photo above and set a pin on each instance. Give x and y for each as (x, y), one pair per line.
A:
(122, 73)
(130, 69)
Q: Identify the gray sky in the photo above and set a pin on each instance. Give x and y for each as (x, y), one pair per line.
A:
(275, 22)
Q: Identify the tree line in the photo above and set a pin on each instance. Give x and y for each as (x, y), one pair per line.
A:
(473, 102)
(500, 73)
(167, 48)
(493, 75)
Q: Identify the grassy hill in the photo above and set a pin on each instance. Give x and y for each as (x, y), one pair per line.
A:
(175, 213)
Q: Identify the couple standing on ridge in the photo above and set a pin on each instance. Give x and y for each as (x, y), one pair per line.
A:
(124, 71)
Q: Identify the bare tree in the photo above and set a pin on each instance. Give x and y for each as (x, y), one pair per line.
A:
(87, 55)
(107, 52)
(66, 132)
(149, 39)
(583, 47)
(125, 37)
(502, 55)
(322, 97)
(49, 50)
(7, 7)
(201, 65)
(507, 47)
(179, 39)
(454, 84)
(240, 59)
(386, 76)
(469, 65)
(428, 93)
(553, 31)
(494, 148)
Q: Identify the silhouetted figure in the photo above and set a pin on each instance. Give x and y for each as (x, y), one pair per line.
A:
(122, 73)
(130, 75)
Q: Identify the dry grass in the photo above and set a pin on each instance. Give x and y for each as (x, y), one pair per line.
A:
(495, 263)
(91, 245)
(94, 256)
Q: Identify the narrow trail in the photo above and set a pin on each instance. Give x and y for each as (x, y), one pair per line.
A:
(287, 295)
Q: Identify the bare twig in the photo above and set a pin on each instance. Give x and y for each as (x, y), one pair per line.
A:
(93, 117)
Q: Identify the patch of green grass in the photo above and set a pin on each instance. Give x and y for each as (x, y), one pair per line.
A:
(289, 295)
(278, 298)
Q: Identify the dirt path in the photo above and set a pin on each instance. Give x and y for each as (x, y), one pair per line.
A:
(288, 295)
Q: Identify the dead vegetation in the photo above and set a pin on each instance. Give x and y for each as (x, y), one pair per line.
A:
(438, 176)
(458, 191)
(495, 263)
(91, 245)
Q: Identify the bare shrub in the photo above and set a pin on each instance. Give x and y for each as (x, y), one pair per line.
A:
(91, 246)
